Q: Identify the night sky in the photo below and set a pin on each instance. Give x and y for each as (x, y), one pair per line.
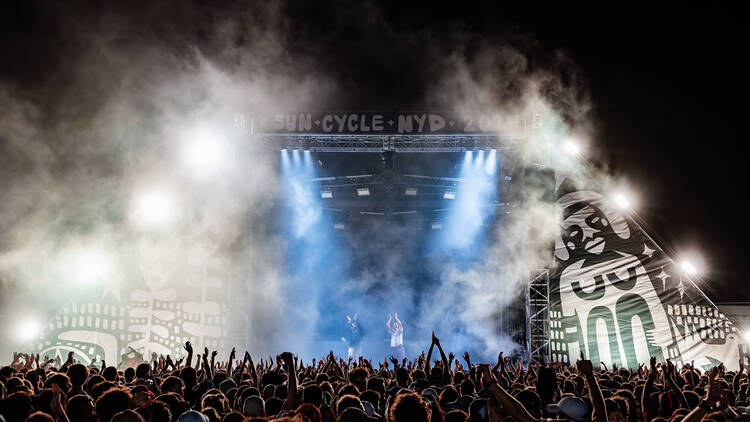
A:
(667, 88)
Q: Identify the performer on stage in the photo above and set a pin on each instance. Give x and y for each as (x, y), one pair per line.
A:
(355, 337)
(397, 337)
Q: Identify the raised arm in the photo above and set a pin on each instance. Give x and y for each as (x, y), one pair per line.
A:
(253, 372)
(649, 384)
(388, 324)
(507, 401)
(446, 364)
(291, 386)
(714, 394)
(428, 364)
(599, 414)
(670, 376)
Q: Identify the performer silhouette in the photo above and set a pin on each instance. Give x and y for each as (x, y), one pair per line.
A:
(396, 329)
(354, 337)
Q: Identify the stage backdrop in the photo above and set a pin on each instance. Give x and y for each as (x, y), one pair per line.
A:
(176, 292)
(618, 298)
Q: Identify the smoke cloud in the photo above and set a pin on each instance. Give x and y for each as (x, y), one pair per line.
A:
(106, 119)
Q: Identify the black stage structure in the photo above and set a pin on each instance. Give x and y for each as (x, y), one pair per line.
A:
(387, 137)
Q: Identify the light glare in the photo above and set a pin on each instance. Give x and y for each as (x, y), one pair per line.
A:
(688, 267)
(621, 200)
(153, 208)
(27, 329)
(90, 266)
(571, 147)
(204, 153)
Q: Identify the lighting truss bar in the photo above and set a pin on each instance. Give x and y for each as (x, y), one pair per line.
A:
(397, 143)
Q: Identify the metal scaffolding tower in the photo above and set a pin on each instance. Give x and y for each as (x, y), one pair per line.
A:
(537, 310)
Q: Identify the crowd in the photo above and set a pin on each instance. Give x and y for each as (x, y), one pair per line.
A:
(334, 389)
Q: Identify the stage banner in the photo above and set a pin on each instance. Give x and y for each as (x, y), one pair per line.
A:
(389, 123)
(619, 299)
(167, 299)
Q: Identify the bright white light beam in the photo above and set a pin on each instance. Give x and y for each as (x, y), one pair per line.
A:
(622, 201)
(91, 266)
(154, 208)
(204, 152)
(27, 329)
(571, 147)
(688, 267)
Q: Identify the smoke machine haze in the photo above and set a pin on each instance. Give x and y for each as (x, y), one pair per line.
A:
(161, 197)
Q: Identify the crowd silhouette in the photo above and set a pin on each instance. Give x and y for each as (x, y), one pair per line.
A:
(202, 389)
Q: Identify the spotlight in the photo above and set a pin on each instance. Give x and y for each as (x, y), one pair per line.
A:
(204, 152)
(747, 335)
(622, 201)
(688, 267)
(571, 147)
(363, 191)
(449, 195)
(436, 226)
(411, 192)
(153, 208)
(339, 226)
(90, 266)
(27, 329)
(326, 194)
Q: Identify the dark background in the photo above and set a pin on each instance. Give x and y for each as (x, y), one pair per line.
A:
(667, 87)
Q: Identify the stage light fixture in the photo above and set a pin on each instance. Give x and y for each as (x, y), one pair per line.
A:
(571, 147)
(27, 329)
(449, 195)
(436, 226)
(339, 226)
(326, 194)
(411, 192)
(363, 191)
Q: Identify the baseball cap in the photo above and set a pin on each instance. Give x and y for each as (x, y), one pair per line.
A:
(572, 407)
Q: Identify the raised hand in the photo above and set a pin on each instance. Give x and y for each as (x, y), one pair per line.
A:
(188, 347)
(56, 404)
(214, 353)
(232, 354)
(451, 356)
(585, 367)
(435, 340)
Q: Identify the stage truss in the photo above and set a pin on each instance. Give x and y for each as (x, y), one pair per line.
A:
(382, 143)
(538, 317)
